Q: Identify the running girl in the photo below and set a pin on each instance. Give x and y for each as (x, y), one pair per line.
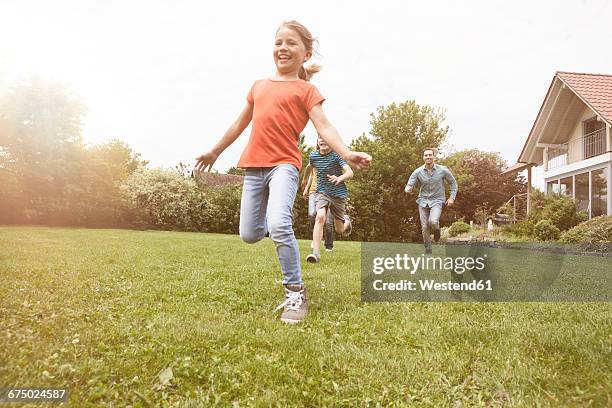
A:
(280, 108)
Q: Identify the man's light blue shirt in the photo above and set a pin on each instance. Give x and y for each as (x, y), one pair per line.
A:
(432, 185)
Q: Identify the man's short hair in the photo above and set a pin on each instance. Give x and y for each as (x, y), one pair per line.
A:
(433, 151)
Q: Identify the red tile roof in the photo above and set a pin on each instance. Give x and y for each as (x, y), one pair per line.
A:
(594, 89)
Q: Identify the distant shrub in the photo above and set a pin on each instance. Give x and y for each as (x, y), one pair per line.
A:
(561, 211)
(596, 231)
(573, 236)
(521, 229)
(167, 199)
(545, 230)
(457, 228)
(224, 208)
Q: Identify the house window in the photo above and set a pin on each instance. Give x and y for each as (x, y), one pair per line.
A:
(593, 138)
(567, 186)
(599, 192)
(582, 191)
(552, 187)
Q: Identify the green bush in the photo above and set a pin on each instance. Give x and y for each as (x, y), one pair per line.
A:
(166, 199)
(561, 211)
(596, 231)
(224, 208)
(573, 236)
(458, 227)
(545, 230)
(521, 229)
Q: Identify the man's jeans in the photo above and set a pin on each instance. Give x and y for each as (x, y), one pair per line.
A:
(267, 203)
(329, 224)
(430, 220)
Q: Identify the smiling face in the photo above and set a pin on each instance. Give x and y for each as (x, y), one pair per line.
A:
(289, 51)
(428, 157)
(322, 144)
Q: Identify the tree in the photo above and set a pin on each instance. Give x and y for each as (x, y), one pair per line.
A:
(47, 175)
(480, 183)
(96, 197)
(41, 144)
(378, 204)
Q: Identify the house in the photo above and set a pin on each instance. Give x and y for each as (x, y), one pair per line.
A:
(570, 139)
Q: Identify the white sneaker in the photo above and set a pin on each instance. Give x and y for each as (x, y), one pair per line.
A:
(313, 258)
(295, 305)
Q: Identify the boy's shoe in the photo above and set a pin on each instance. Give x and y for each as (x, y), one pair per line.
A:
(295, 306)
(329, 249)
(349, 228)
(436, 235)
(313, 258)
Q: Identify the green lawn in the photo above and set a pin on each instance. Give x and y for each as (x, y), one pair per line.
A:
(103, 312)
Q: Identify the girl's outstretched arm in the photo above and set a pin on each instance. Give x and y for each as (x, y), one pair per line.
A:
(207, 159)
(329, 133)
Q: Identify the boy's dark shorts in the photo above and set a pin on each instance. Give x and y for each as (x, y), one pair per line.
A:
(334, 204)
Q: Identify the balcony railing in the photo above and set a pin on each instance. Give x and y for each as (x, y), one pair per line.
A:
(580, 148)
(594, 143)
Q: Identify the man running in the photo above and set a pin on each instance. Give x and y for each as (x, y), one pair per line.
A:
(431, 197)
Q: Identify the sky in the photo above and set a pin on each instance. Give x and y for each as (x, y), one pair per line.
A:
(169, 77)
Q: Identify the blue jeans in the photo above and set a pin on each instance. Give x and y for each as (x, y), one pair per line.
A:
(266, 206)
(430, 219)
(329, 224)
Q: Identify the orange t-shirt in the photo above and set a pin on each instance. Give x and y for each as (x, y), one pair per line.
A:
(280, 113)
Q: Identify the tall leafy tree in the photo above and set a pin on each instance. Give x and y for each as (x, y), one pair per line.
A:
(378, 204)
(96, 194)
(47, 175)
(480, 182)
(40, 138)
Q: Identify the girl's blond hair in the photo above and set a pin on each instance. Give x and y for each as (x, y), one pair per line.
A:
(305, 73)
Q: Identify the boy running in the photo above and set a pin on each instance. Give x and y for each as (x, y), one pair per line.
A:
(332, 172)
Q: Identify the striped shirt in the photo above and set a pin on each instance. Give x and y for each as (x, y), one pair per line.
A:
(329, 164)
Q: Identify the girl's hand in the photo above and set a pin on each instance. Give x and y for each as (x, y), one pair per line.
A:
(359, 160)
(305, 194)
(335, 180)
(206, 159)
